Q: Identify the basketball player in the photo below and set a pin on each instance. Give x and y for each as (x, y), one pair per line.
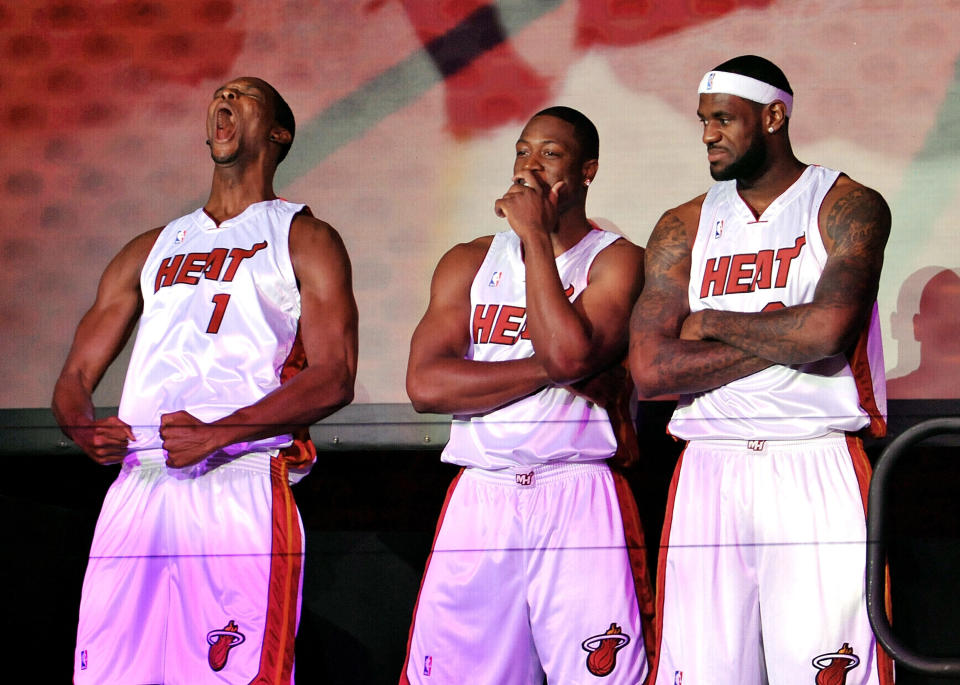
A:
(195, 569)
(759, 310)
(530, 571)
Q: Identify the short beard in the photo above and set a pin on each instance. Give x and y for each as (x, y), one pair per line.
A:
(748, 165)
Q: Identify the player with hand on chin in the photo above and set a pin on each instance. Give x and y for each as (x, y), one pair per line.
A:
(196, 563)
(537, 566)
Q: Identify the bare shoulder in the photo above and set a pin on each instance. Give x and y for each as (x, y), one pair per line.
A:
(465, 258)
(306, 228)
(673, 236)
(127, 264)
(621, 259)
(853, 214)
(315, 243)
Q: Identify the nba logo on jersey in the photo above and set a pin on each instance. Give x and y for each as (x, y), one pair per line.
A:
(718, 228)
(678, 678)
(427, 665)
(83, 660)
(181, 236)
(495, 279)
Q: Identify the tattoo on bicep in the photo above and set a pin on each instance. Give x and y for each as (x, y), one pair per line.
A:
(858, 223)
(668, 246)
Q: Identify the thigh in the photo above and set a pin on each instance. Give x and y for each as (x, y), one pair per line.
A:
(584, 604)
(471, 622)
(707, 587)
(123, 607)
(236, 596)
(813, 599)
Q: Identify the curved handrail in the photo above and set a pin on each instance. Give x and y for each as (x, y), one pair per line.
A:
(876, 553)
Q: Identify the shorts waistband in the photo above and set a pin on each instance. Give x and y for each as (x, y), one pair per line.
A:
(255, 462)
(770, 445)
(538, 474)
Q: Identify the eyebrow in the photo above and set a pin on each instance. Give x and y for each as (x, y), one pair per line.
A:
(718, 114)
(547, 141)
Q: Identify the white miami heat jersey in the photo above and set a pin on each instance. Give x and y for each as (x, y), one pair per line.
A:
(554, 424)
(220, 318)
(746, 264)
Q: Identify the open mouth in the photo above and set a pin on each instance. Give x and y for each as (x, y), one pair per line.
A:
(224, 124)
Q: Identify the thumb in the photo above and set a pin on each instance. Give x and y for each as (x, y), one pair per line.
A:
(555, 191)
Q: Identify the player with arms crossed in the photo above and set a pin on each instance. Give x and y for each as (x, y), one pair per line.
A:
(195, 568)
(759, 310)
(531, 568)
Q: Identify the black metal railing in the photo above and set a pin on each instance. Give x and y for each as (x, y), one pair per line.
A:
(876, 552)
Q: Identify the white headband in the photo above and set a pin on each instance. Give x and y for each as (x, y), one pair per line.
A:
(744, 87)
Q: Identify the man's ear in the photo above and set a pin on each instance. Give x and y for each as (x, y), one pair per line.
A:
(589, 171)
(280, 135)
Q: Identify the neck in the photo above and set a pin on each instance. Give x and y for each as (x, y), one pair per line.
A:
(770, 183)
(571, 227)
(234, 189)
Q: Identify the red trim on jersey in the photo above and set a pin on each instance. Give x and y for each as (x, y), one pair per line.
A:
(302, 452)
(863, 471)
(863, 377)
(443, 512)
(662, 566)
(283, 589)
(637, 551)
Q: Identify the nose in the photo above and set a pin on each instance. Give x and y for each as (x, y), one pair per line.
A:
(711, 132)
(532, 161)
(228, 94)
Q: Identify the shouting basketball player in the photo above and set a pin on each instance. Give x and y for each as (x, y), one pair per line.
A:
(195, 568)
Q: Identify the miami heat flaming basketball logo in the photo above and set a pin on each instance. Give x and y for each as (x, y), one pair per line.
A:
(833, 667)
(603, 650)
(221, 642)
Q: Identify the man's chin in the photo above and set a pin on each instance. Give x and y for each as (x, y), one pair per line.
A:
(224, 159)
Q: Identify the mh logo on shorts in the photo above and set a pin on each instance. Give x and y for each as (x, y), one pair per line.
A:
(603, 648)
(832, 668)
(221, 642)
(525, 478)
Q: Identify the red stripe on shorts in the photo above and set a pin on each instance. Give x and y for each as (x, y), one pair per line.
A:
(286, 562)
(863, 471)
(662, 566)
(406, 660)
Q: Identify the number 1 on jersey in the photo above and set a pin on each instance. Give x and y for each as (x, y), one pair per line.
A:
(219, 307)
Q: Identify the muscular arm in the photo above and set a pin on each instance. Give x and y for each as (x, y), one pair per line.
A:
(573, 340)
(100, 336)
(439, 379)
(660, 361)
(328, 328)
(577, 339)
(855, 225)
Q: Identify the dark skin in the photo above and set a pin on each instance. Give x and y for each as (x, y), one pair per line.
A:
(674, 351)
(575, 341)
(245, 141)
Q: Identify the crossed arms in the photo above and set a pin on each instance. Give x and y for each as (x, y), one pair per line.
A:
(674, 351)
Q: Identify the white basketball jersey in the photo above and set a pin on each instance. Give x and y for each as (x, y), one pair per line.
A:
(554, 424)
(746, 264)
(220, 319)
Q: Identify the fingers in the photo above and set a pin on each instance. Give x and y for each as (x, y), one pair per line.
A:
(527, 178)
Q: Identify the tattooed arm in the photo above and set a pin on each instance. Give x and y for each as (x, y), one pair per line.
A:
(660, 361)
(855, 224)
